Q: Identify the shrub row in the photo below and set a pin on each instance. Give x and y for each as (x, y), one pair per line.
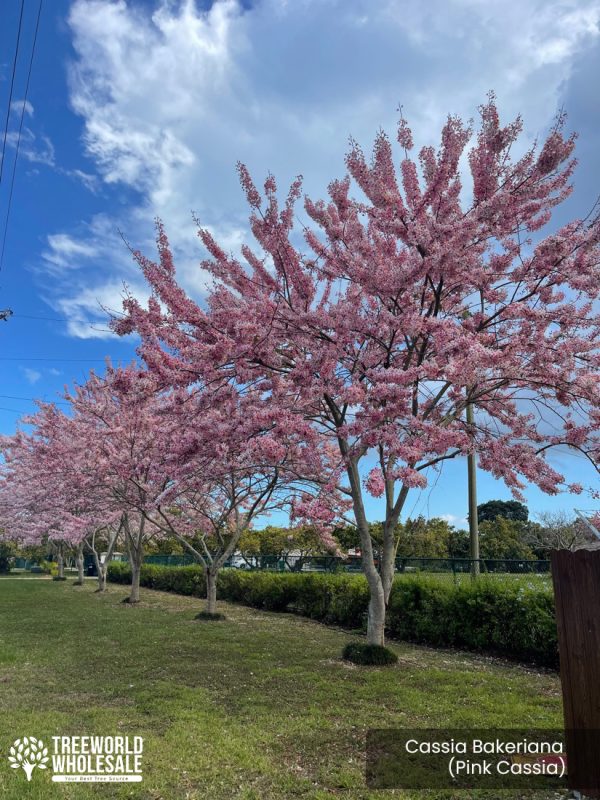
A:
(510, 619)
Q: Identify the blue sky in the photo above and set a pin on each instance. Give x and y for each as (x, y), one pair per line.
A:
(138, 109)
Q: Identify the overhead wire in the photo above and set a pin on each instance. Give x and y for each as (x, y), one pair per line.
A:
(33, 399)
(55, 358)
(12, 84)
(48, 319)
(14, 169)
(60, 319)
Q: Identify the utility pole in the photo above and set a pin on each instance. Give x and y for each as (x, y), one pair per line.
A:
(472, 483)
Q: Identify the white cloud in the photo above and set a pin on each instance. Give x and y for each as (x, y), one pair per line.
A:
(37, 149)
(88, 309)
(65, 252)
(457, 522)
(95, 241)
(18, 106)
(170, 99)
(91, 182)
(74, 285)
(32, 375)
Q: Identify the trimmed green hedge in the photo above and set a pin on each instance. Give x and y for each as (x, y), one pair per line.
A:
(511, 619)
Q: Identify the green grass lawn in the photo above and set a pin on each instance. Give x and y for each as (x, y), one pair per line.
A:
(528, 580)
(258, 707)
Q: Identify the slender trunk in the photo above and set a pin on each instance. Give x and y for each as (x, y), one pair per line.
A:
(376, 616)
(102, 568)
(377, 595)
(102, 576)
(377, 599)
(380, 581)
(387, 559)
(79, 560)
(60, 562)
(212, 563)
(136, 568)
(135, 548)
(211, 591)
(473, 521)
(101, 571)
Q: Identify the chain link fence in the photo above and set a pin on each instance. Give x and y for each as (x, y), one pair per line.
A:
(455, 569)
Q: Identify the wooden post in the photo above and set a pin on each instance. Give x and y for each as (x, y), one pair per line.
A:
(472, 488)
(576, 579)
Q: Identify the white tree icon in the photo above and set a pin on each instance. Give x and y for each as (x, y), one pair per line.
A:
(28, 753)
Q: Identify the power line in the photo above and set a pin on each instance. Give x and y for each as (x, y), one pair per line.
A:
(56, 358)
(33, 399)
(48, 319)
(12, 180)
(12, 83)
(59, 319)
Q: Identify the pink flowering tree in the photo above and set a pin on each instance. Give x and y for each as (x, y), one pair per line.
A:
(46, 494)
(232, 465)
(414, 300)
(122, 422)
(136, 461)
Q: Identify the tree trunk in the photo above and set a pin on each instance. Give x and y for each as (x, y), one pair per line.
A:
(135, 548)
(80, 574)
(211, 592)
(376, 617)
(102, 575)
(60, 562)
(473, 519)
(377, 605)
(101, 570)
(377, 594)
(136, 568)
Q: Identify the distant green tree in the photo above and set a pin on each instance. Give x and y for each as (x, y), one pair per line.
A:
(277, 541)
(348, 538)
(424, 538)
(164, 546)
(34, 553)
(7, 552)
(417, 538)
(458, 544)
(504, 538)
(270, 541)
(507, 509)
